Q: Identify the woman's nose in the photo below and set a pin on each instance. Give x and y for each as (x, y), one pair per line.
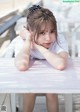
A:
(47, 37)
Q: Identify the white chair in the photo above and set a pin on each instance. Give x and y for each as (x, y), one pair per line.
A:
(76, 41)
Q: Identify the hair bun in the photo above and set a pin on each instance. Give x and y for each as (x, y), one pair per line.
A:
(34, 7)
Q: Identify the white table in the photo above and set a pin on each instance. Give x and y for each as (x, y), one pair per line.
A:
(40, 78)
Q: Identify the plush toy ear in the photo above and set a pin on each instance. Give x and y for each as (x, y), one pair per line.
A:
(23, 34)
(27, 28)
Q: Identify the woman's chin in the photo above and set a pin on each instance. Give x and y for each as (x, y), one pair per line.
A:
(46, 46)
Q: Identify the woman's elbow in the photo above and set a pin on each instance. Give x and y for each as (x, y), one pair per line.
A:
(62, 64)
(61, 67)
(21, 66)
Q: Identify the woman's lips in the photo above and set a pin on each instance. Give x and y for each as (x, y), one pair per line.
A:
(47, 45)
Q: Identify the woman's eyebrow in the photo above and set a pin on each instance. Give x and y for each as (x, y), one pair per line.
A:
(42, 30)
(53, 29)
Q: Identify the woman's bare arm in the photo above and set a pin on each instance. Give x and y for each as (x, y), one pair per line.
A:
(58, 61)
(22, 59)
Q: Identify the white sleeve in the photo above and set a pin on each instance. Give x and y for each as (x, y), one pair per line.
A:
(62, 44)
(14, 48)
(10, 50)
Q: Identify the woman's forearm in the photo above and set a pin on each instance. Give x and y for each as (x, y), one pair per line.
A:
(57, 61)
(22, 59)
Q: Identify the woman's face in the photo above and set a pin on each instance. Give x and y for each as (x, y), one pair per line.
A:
(46, 35)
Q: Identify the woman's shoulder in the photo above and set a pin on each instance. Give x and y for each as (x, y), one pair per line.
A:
(61, 37)
(60, 45)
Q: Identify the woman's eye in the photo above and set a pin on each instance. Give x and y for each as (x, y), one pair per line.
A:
(42, 33)
(52, 31)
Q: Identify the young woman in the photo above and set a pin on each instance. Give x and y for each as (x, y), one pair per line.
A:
(40, 40)
(41, 33)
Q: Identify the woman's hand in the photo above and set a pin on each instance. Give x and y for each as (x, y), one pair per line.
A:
(26, 35)
(23, 57)
(37, 46)
(40, 48)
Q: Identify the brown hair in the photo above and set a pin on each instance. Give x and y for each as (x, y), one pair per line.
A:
(36, 16)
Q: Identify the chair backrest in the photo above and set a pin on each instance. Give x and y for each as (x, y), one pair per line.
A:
(76, 41)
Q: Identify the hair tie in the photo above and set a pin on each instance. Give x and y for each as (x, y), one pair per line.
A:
(34, 7)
